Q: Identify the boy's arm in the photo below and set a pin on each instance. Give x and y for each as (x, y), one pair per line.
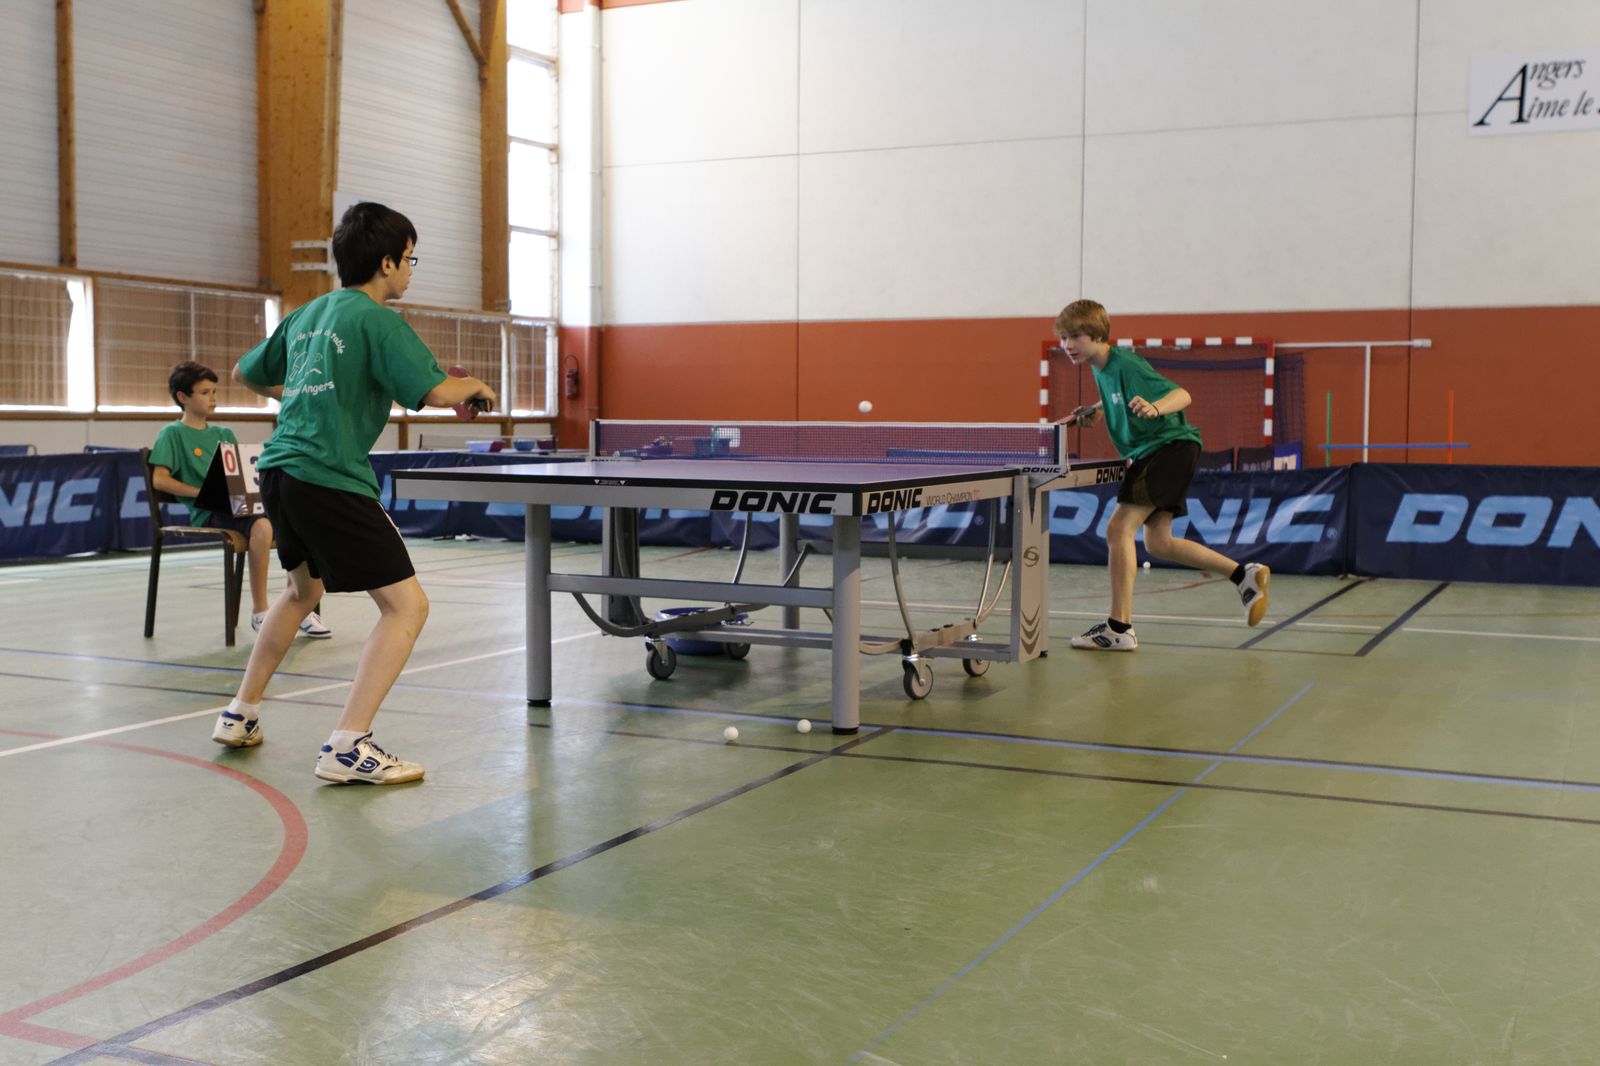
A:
(161, 477)
(452, 391)
(274, 392)
(1171, 403)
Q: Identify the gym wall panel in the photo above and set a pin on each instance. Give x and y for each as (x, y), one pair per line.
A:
(744, 370)
(409, 138)
(711, 79)
(895, 73)
(576, 162)
(700, 242)
(1156, 65)
(1453, 31)
(1302, 216)
(29, 214)
(166, 138)
(951, 232)
(1505, 221)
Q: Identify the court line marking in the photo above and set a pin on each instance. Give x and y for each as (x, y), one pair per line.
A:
(1482, 633)
(296, 835)
(1068, 885)
(1192, 754)
(1405, 617)
(285, 697)
(124, 1039)
(1293, 618)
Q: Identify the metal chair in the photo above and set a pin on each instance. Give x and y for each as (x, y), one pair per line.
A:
(233, 544)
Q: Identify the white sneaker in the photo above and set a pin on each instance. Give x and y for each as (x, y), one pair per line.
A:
(367, 762)
(1101, 637)
(237, 731)
(1253, 591)
(311, 627)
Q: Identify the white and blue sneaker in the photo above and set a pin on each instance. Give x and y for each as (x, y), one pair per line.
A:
(1101, 637)
(237, 731)
(365, 762)
(312, 627)
(1253, 592)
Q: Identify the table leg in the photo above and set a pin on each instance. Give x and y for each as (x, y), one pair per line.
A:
(846, 623)
(536, 582)
(788, 552)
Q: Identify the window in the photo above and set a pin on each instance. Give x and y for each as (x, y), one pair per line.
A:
(143, 330)
(35, 323)
(533, 198)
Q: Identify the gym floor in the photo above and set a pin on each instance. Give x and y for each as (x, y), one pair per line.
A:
(1366, 832)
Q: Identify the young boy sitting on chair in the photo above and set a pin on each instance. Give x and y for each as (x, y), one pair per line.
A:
(178, 463)
(1144, 418)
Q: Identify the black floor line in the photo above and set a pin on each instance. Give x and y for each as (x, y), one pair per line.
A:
(122, 1041)
(1161, 782)
(1387, 631)
(1292, 619)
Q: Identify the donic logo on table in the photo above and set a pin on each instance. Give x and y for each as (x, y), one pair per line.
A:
(1495, 521)
(763, 500)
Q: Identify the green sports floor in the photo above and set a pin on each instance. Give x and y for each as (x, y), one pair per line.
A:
(1366, 832)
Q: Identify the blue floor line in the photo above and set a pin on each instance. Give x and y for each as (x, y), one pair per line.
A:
(1069, 884)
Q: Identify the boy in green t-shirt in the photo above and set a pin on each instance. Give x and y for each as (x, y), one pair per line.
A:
(1144, 417)
(179, 460)
(337, 364)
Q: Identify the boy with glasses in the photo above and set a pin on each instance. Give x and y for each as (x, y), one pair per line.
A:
(337, 364)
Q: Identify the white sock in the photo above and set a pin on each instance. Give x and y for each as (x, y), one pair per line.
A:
(343, 739)
(251, 711)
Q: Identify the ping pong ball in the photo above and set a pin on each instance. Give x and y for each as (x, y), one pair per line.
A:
(731, 733)
(864, 406)
(803, 725)
(1147, 564)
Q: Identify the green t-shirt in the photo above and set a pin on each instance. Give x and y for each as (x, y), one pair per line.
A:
(186, 452)
(1126, 375)
(342, 360)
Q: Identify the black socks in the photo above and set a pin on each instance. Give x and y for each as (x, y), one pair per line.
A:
(1237, 575)
(1118, 627)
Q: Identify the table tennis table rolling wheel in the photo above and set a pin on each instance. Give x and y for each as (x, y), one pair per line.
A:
(975, 667)
(660, 660)
(737, 651)
(918, 678)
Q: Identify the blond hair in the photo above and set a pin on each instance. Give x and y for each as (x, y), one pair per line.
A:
(1086, 317)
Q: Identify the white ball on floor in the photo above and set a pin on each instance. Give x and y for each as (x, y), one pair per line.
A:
(1147, 564)
(803, 726)
(865, 406)
(731, 733)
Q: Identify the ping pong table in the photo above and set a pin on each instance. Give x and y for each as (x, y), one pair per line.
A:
(833, 473)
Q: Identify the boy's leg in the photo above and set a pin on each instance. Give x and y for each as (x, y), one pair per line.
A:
(260, 557)
(1159, 541)
(278, 630)
(403, 609)
(1123, 559)
(238, 726)
(1251, 579)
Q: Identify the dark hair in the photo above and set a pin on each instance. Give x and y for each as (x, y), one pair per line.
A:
(366, 234)
(186, 375)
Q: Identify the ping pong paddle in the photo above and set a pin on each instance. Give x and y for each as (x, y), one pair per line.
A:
(467, 410)
(1081, 413)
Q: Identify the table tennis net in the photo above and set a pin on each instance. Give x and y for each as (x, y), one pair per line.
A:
(954, 443)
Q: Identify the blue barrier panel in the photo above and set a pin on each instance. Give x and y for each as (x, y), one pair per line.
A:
(54, 505)
(1527, 524)
(1295, 521)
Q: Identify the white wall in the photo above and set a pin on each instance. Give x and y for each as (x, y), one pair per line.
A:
(940, 158)
(28, 207)
(166, 139)
(409, 138)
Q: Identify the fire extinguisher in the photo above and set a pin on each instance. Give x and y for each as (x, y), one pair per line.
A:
(569, 378)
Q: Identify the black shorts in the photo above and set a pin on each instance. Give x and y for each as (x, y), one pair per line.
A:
(1161, 479)
(234, 522)
(347, 540)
